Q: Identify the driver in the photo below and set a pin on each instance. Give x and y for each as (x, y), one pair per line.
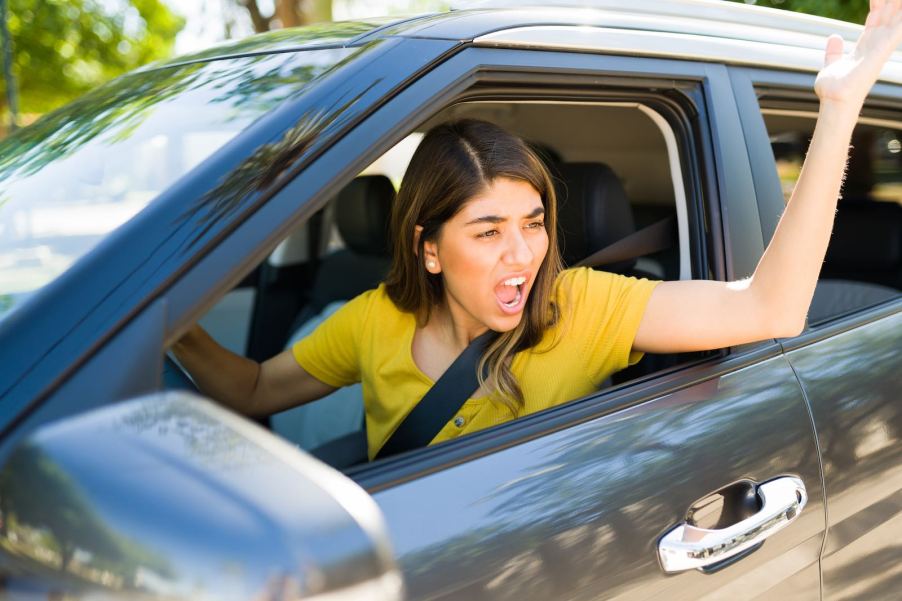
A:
(476, 249)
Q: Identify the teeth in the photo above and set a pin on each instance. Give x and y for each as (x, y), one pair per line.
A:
(515, 281)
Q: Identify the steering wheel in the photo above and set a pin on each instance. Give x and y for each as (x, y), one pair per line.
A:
(176, 378)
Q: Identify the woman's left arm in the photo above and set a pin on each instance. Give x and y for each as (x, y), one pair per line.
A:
(700, 314)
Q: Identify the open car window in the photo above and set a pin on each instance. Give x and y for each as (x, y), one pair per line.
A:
(338, 254)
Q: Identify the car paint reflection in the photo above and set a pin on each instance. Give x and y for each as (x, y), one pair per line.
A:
(577, 514)
(854, 385)
(212, 499)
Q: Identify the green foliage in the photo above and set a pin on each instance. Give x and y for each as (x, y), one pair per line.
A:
(64, 48)
(854, 11)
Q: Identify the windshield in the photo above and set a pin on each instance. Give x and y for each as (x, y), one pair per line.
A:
(80, 172)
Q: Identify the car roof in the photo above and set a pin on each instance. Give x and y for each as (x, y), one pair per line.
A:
(705, 30)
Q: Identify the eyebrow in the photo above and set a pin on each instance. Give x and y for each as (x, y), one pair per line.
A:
(496, 219)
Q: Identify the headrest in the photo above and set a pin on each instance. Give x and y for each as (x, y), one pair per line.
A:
(362, 213)
(593, 211)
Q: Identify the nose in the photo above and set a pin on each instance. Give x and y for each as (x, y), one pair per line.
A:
(518, 252)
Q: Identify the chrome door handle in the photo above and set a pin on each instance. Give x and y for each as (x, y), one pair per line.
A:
(686, 546)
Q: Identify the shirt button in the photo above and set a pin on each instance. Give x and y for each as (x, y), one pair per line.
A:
(459, 421)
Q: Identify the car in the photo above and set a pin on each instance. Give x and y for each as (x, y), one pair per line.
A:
(246, 188)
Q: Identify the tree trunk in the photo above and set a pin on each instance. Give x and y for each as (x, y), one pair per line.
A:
(66, 553)
(288, 13)
(260, 22)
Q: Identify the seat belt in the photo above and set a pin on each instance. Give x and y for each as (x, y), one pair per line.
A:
(441, 402)
(454, 387)
(653, 238)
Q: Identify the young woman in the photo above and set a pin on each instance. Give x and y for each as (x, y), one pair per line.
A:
(475, 249)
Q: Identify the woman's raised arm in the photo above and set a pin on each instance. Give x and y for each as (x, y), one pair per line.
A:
(699, 315)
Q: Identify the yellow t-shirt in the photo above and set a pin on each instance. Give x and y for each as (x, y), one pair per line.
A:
(369, 340)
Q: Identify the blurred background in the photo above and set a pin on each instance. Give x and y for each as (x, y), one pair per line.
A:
(56, 50)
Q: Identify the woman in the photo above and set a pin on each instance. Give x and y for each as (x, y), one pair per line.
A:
(476, 250)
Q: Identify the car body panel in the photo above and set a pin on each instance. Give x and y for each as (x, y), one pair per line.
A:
(854, 384)
(768, 190)
(576, 514)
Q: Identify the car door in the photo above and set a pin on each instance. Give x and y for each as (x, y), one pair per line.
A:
(573, 503)
(848, 359)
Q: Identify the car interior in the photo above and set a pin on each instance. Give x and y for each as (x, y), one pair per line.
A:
(617, 171)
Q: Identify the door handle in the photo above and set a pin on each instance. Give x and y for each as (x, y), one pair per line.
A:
(687, 546)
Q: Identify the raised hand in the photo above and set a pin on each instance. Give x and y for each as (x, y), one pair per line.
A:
(846, 79)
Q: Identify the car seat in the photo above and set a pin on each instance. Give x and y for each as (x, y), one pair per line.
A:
(593, 213)
(333, 428)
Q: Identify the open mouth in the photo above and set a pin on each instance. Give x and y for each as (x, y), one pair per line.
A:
(511, 294)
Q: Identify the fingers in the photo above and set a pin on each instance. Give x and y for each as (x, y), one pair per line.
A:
(876, 16)
(895, 14)
(834, 49)
(884, 12)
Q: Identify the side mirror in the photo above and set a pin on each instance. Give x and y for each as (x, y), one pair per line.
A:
(172, 496)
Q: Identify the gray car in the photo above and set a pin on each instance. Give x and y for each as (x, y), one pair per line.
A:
(247, 188)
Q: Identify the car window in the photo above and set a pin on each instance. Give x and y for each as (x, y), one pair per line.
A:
(863, 266)
(79, 173)
(330, 259)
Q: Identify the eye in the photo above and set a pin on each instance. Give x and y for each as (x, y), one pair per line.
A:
(487, 234)
(534, 225)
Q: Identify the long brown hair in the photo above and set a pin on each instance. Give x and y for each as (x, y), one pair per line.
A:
(454, 162)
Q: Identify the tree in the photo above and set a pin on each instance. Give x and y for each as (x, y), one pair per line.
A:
(854, 11)
(38, 494)
(288, 13)
(64, 48)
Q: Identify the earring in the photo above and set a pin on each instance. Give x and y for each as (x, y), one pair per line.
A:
(430, 264)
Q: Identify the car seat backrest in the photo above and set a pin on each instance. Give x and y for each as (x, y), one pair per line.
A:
(593, 211)
(362, 214)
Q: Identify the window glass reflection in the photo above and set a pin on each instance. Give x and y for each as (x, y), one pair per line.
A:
(80, 172)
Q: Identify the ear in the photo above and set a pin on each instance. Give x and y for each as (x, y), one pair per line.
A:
(417, 232)
(430, 250)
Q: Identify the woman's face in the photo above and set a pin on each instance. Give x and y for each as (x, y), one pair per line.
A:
(489, 254)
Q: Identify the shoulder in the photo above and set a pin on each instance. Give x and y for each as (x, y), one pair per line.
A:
(575, 276)
(380, 303)
(372, 308)
(575, 282)
(586, 288)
